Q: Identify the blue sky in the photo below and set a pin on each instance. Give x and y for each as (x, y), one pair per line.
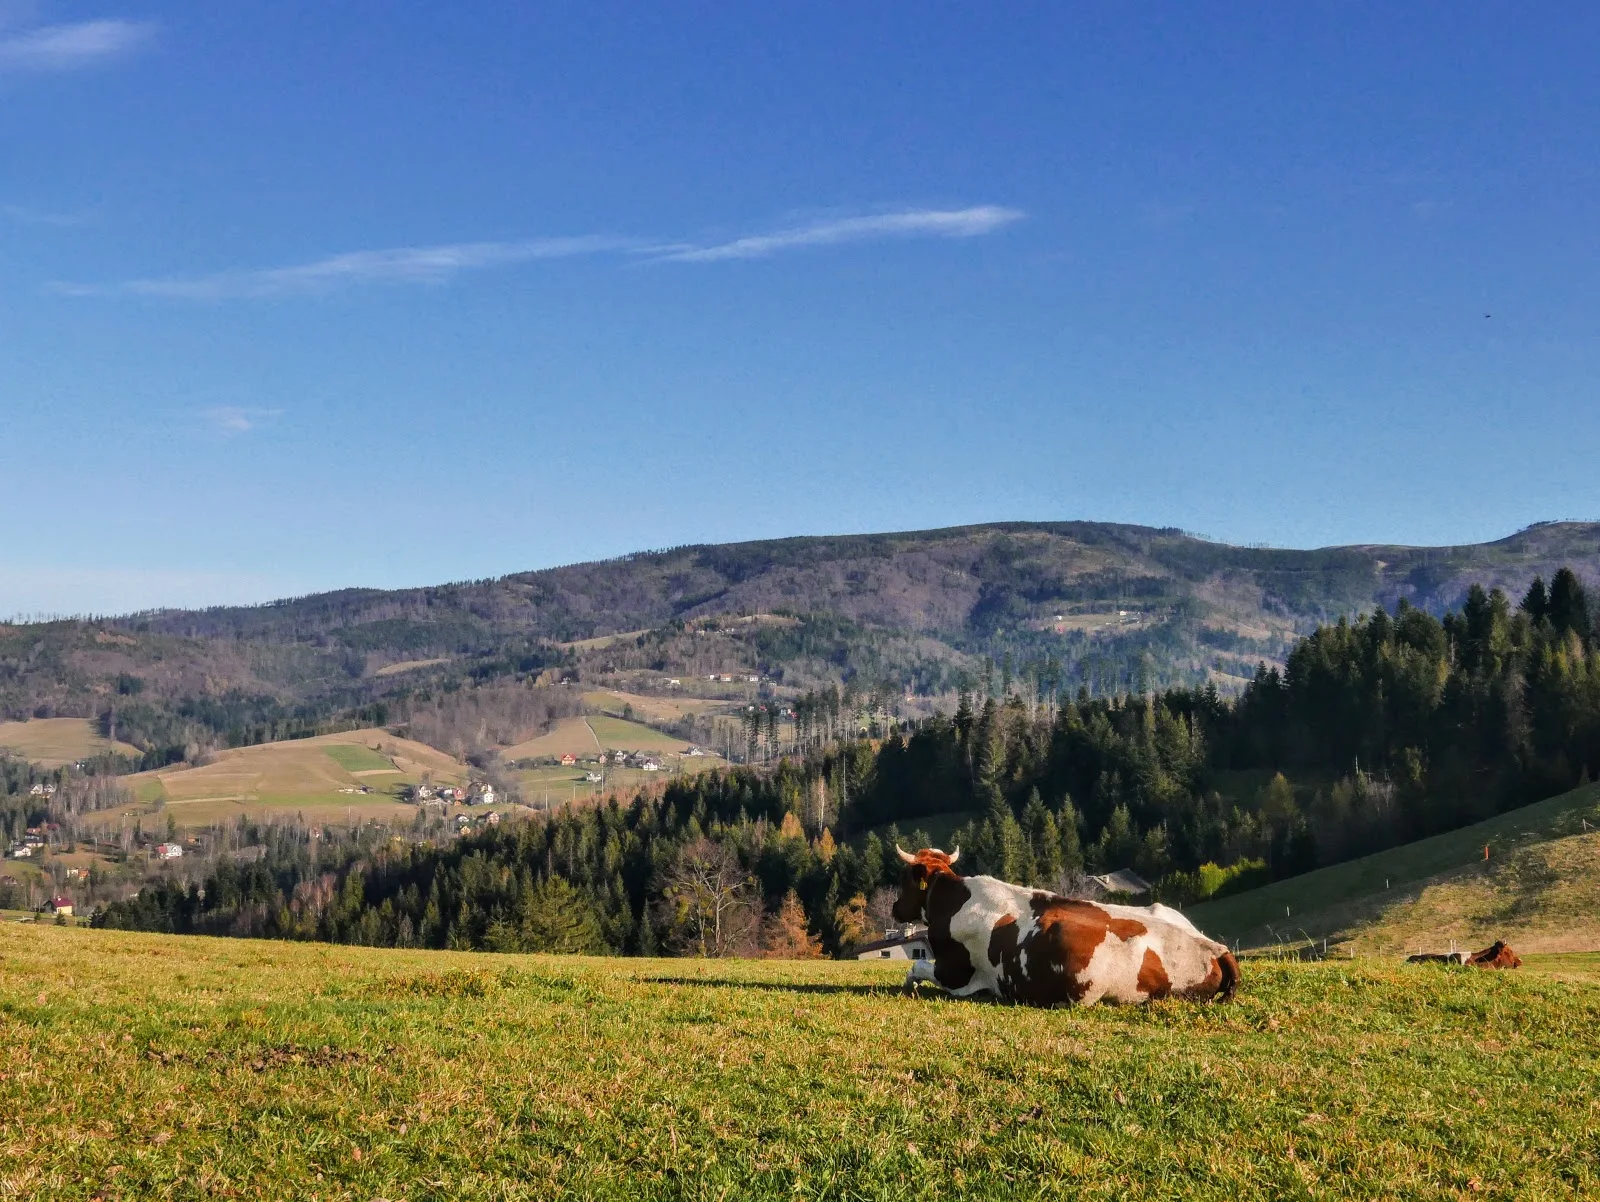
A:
(297, 296)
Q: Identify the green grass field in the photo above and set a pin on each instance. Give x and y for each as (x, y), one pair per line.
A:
(319, 777)
(587, 737)
(1373, 901)
(140, 1066)
(358, 758)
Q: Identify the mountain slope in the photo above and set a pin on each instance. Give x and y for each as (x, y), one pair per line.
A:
(1113, 607)
(1539, 889)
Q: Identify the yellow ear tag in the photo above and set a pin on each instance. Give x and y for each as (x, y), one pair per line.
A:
(922, 884)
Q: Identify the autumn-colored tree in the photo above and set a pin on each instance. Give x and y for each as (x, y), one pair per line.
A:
(784, 935)
(790, 827)
(852, 921)
(826, 846)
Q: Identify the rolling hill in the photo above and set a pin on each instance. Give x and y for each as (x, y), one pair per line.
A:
(1539, 888)
(319, 778)
(1116, 606)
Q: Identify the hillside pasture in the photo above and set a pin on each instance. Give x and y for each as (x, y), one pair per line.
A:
(1539, 889)
(299, 776)
(602, 641)
(586, 737)
(53, 742)
(570, 736)
(650, 709)
(409, 665)
(188, 1067)
(619, 734)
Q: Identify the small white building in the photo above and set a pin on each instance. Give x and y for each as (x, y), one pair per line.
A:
(898, 943)
(169, 851)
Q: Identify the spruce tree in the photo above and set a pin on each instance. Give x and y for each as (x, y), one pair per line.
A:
(556, 917)
(1536, 604)
(1568, 606)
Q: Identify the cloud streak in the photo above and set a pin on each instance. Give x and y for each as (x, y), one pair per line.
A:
(405, 264)
(230, 421)
(438, 264)
(914, 223)
(71, 46)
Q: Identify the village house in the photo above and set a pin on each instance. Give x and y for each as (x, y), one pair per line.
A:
(61, 907)
(650, 765)
(568, 760)
(898, 943)
(169, 851)
(1124, 880)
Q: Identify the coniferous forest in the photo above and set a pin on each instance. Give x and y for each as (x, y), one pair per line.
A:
(1378, 731)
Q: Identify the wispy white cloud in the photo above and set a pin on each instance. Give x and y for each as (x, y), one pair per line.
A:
(406, 264)
(23, 215)
(437, 264)
(232, 420)
(71, 46)
(910, 223)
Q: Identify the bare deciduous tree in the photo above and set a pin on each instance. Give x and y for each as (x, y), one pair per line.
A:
(708, 901)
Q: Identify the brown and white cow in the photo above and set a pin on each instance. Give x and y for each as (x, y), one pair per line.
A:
(1026, 945)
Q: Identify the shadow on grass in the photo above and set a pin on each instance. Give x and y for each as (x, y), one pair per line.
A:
(781, 987)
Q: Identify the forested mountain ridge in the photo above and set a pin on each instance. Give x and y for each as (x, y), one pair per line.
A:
(960, 581)
(1114, 608)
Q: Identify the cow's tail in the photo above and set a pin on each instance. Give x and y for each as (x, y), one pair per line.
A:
(1229, 967)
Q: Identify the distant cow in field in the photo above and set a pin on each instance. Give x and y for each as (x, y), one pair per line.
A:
(1026, 945)
(1437, 958)
(1497, 955)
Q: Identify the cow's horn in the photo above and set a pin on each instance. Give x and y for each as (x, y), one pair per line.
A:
(904, 854)
(955, 855)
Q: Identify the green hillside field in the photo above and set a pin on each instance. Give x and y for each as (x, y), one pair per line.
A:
(143, 1066)
(1539, 889)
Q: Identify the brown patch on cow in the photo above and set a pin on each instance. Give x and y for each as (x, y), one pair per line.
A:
(1056, 951)
(1125, 928)
(1220, 982)
(1153, 980)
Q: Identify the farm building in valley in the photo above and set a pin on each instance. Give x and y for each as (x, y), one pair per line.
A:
(898, 943)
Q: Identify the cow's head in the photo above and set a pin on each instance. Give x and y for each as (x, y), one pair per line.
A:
(916, 876)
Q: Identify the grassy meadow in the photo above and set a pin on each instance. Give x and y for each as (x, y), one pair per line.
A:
(314, 777)
(587, 737)
(649, 708)
(142, 1066)
(52, 742)
(1539, 888)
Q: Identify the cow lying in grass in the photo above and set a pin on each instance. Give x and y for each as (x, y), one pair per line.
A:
(1025, 945)
(1497, 955)
(1437, 958)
